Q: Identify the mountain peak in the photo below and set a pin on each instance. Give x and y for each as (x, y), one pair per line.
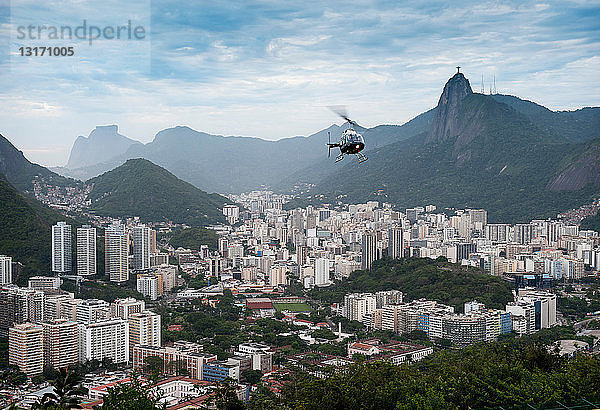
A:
(444, 123)
(104, 131)
(103, 144)
(141, 188)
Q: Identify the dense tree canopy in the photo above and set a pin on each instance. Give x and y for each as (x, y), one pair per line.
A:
(437, 279)
(192, 238)
(510, 373)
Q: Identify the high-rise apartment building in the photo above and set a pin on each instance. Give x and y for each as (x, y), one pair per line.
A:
(149, 285)
(61, 248)
(116, 242)
(55, 306)
(86, 250)
(369, 249)
(388, 297)
(356, 305)
(141, 247)
(124, 308)
(61, 348)
(107, 339)
(92, 310)
(301, 255)
(25, 348)
(19, 305)
(232, 213)
(522, 234)
(278, 275)
(144, 330)
(396, 242)
(321, 271)
(153, 247)
(497, 232)
(5, 270)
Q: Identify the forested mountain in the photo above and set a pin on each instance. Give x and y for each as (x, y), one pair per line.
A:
(478, 152)
(578, 126)
(25, 230)
(21, 173)
(141, 188)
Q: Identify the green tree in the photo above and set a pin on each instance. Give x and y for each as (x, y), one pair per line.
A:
(134, 395)
(226, 398)
(38, 379)
(252, 376)
(13, 376)
(154, 366)
(324, 334)
(67, 388)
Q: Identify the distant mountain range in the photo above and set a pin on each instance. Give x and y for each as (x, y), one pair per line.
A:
(512, 157)
(141, 188)
(229, 164)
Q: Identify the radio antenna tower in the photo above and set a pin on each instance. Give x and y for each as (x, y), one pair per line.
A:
(495, 84)
(482, 86)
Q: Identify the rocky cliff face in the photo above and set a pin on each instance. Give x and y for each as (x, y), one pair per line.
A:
(446, 121)
(585, 170)
(103, 144)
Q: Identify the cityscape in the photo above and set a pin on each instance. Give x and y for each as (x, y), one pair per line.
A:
(270, 267)
(268, 205)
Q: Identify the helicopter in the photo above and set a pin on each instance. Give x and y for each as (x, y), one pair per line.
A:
(351, 142)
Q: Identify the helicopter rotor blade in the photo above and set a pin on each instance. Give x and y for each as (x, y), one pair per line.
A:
(341, 111)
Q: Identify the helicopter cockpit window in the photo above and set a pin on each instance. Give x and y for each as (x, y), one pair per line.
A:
(355, 138)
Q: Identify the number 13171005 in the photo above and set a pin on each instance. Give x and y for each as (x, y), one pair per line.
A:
(46, 51)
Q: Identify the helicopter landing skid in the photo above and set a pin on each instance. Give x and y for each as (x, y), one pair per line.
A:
(339, 158)
(361, 157)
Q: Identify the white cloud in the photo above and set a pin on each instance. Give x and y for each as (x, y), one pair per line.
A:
(265, 71)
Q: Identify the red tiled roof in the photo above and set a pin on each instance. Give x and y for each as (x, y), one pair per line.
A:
(183, 378)
(111, 384)
(361, 346)
(192, 402)
(259, 305)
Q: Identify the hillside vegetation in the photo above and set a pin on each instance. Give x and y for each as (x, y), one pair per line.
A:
(25, 231)
(141, 188)
(512, 373)
(434, 279)
(21, 173)
(192, 238)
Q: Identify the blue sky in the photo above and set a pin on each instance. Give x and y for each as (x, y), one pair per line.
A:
(270, 68)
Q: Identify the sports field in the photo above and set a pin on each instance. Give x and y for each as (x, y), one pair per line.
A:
(292, 307)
